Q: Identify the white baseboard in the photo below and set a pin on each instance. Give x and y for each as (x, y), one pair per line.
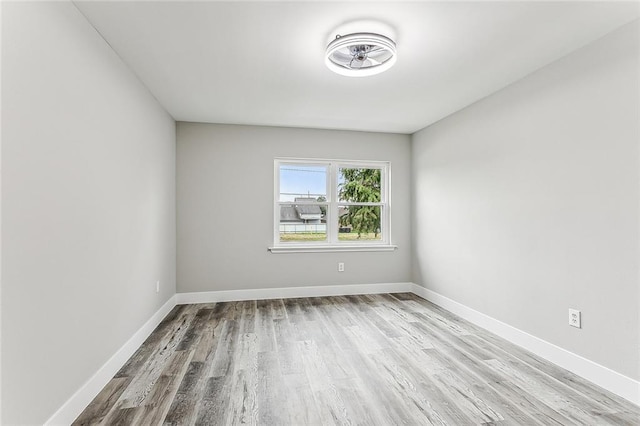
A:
(291, 292)
(83, 396)
(613, 381)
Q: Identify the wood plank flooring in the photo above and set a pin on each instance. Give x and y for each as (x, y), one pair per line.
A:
(351, 360)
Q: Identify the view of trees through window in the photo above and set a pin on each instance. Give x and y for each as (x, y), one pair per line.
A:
(359, 186)
(322, 202)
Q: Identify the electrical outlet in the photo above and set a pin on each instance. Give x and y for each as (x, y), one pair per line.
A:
(574, 318)
(340, 266)
(157, 286)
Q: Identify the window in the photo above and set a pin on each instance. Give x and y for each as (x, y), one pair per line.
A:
(331, 205)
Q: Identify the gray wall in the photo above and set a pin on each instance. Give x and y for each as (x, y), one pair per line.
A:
(224, 196)
(527, 203)
(88, 206)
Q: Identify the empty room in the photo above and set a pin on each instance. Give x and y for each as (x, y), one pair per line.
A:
(320, 213)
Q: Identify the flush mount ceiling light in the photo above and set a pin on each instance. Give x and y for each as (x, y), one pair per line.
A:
(360, 54)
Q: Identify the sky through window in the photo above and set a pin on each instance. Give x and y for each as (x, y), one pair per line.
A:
(302, 181)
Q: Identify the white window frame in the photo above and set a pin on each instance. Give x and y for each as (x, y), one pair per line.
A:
(332, 244)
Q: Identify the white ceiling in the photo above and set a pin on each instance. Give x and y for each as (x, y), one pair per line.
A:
(262, 63)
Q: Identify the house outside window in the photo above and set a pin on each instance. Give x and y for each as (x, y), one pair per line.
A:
(331, 205)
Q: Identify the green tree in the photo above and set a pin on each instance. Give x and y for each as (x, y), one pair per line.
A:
(322, 199)
(361, 186)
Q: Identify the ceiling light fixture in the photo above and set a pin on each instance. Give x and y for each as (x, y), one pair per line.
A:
(360, 54)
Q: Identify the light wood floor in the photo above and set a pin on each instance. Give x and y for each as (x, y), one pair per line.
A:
(370, 360)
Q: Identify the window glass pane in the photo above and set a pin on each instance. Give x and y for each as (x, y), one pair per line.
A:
(301, 181)
(359, 185)
(303, 221)
(359, 223)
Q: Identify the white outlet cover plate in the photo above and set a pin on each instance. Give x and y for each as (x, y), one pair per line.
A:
(575, 318)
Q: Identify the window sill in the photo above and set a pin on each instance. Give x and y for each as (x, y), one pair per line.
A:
(331, 249)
